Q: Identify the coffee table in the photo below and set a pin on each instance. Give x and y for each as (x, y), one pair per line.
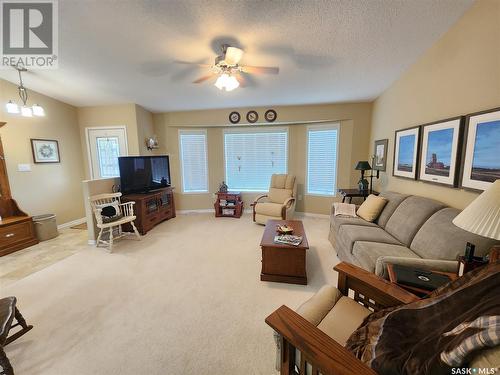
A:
(283, 263)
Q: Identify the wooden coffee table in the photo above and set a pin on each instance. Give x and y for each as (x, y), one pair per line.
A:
(283, 263)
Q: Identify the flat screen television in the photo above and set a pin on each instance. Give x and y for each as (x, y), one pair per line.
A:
(140, 174)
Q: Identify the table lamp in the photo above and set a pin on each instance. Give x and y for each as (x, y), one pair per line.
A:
(363, 182)
(481, 217)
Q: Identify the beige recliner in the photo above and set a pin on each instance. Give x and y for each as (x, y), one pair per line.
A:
(280, 202)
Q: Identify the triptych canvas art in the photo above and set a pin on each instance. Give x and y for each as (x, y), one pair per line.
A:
(458, 152)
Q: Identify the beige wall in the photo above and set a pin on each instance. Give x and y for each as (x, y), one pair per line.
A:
(354, 137)
(459, 74)
(145, 128)
(48, 188)
(102, 116)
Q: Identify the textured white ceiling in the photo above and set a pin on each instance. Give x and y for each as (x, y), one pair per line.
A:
(328, 51)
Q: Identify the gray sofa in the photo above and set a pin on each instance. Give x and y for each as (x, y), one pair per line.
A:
(411, 230)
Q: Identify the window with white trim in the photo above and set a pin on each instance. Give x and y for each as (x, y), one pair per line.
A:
(193, 159)
(252, 156)
(322, 147)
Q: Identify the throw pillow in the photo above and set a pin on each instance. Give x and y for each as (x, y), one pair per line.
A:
(371, 208)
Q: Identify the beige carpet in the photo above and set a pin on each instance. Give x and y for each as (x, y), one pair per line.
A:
(187, 299)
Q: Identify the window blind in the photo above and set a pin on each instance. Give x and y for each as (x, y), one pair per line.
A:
(252, 156)
(322, 160)
(193, 157)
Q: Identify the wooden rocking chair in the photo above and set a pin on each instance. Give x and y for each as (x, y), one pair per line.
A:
(110, 215)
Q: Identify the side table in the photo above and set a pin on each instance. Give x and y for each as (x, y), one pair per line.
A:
(355, 193)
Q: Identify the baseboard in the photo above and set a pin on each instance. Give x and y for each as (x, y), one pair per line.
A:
(310, 214)
(91, 242)
(201, 211)
(72, 223)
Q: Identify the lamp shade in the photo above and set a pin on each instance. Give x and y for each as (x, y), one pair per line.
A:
(482, 216)
(363, 166)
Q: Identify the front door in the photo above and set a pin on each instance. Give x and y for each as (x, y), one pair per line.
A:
(105, 145)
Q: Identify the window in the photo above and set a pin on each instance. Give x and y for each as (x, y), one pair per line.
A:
(193, 158)
(252, 156)
(322, 145)
(108, 150)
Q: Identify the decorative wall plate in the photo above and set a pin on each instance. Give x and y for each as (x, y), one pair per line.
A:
(234, 117)
(252, 117)
(270, 115)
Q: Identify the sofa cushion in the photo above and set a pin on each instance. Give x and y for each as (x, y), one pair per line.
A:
(316, 307)
(337, 221)
(349, 234)
(393, 201)
(371, 208)
(269, 209)
(279, 195)
(367, 253)
(343, 319)
(409, 216)
(439, 238)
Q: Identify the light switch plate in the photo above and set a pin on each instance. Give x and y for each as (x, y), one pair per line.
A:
(24, 167)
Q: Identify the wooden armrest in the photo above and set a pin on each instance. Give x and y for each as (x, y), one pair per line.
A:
(257, 199)
(383, 292)
(288, 201)
(319, 349)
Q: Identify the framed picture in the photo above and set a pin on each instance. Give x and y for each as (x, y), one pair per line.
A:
(406, 142)
(380, 155)
(45, 151)
(441, 151)
(481, 165)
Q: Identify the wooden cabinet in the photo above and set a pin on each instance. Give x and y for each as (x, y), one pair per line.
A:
(16, 227)
(151, 208)
(228, 205)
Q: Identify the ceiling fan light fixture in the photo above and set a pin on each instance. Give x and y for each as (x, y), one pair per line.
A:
(226, 82)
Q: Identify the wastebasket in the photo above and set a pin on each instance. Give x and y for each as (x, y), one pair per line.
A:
(45, 227)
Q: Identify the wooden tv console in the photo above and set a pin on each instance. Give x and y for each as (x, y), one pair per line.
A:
(151, 208)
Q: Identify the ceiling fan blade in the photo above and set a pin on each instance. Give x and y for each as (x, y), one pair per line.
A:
(260, 69)
(233, 55)
(242, 80)
(204, 78)
(192, 63)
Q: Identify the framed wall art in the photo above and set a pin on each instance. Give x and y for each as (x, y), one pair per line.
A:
(45, 151)
(441, 151)
(406, 142)
(380, 155)
(481, 165)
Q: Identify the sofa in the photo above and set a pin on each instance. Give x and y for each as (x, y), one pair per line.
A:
(411, 230)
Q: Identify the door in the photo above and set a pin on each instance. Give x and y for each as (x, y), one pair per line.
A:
(105, 145)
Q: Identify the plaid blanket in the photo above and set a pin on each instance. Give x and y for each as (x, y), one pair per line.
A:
(436, 333)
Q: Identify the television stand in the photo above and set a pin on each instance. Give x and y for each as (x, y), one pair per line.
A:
(151, 208)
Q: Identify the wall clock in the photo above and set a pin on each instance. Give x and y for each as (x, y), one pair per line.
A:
(234, 117)
(252, 117)
(270, 115)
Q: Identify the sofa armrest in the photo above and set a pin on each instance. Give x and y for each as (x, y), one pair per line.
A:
(370, 290)
(288, 203)
(424, 264)
(323, 353)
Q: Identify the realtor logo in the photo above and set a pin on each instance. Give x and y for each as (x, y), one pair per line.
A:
(29, 33)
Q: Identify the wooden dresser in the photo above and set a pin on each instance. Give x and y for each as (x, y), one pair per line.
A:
(151, 208)
(16, 227)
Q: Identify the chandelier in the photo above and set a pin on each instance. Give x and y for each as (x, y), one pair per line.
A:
(24, 110)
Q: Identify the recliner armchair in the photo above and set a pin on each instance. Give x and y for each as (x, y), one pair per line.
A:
(280, 202)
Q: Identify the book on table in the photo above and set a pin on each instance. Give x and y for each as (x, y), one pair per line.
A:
(288, 239)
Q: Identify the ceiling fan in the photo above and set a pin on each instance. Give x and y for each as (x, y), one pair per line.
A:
(229, 73)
